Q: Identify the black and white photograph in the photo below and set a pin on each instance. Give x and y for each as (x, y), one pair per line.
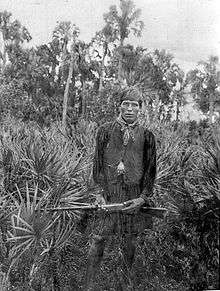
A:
(109, 145)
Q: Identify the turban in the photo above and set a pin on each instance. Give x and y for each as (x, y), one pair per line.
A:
(132, 94)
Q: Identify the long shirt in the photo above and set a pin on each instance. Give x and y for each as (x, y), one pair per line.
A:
(138, 157)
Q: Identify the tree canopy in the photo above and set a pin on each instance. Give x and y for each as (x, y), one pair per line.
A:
(73, 79)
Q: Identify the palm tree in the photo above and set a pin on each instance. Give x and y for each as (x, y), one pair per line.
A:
(204, 85)
(66, 34)
(123, 23)
(66, 92)
(103, 38)
(13, 34)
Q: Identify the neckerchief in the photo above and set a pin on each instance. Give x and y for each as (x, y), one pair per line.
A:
(127, 128)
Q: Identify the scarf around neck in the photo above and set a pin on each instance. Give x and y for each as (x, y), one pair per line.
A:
(127, 128)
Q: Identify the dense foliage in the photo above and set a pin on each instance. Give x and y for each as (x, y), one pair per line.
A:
(70, 79)
(52, 99)
(42, 168)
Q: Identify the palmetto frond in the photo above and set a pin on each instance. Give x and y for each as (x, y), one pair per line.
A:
(41, 169)
(33, 228)
(25, 222)
(208, 169)
(36, 156)
(202, 180)
(170, 159)
(5, 210)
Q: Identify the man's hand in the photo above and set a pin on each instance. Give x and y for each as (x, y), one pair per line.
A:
(100, 200)
(133, 206)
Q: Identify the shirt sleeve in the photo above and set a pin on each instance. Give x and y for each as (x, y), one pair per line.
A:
(149, 163)
(98, 169)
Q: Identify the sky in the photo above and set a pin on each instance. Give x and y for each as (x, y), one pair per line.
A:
(189, 29)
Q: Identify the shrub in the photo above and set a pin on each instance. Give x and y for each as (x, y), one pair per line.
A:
(44, 167)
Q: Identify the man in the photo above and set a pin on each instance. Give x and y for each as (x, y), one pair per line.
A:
(125, 168)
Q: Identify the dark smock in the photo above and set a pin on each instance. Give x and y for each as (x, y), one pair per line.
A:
(139, 159)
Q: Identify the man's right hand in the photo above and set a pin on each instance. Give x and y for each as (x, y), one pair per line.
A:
(100, 200)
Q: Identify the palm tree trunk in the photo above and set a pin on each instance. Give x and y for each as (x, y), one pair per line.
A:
(101, 76)
(177, 108)
(4, 58)
(53, 71)
(120, 77)
(211, 107)
(63, 58)
(102, 69)
(66, 92)
(83, 99)
(3, 53)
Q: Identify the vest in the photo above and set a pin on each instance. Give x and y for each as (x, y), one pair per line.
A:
(131, 155)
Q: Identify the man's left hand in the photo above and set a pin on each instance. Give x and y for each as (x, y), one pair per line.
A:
(133, 206)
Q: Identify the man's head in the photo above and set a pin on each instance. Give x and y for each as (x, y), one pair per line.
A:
(130, 104)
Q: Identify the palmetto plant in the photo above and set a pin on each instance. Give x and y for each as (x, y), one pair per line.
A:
(38, 156)
(186, 244)
(195, 194)
(173, 162)
(40, 172)
(45, 169)
(33, 228)
(5, 210)
(5, 214)
(204, 185)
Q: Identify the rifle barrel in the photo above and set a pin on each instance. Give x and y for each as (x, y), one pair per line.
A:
(153, 211)
(77, 207)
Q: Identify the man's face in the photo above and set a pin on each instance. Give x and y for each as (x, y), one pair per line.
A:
(129, 110)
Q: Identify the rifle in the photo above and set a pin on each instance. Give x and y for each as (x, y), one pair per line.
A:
(110, 208)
